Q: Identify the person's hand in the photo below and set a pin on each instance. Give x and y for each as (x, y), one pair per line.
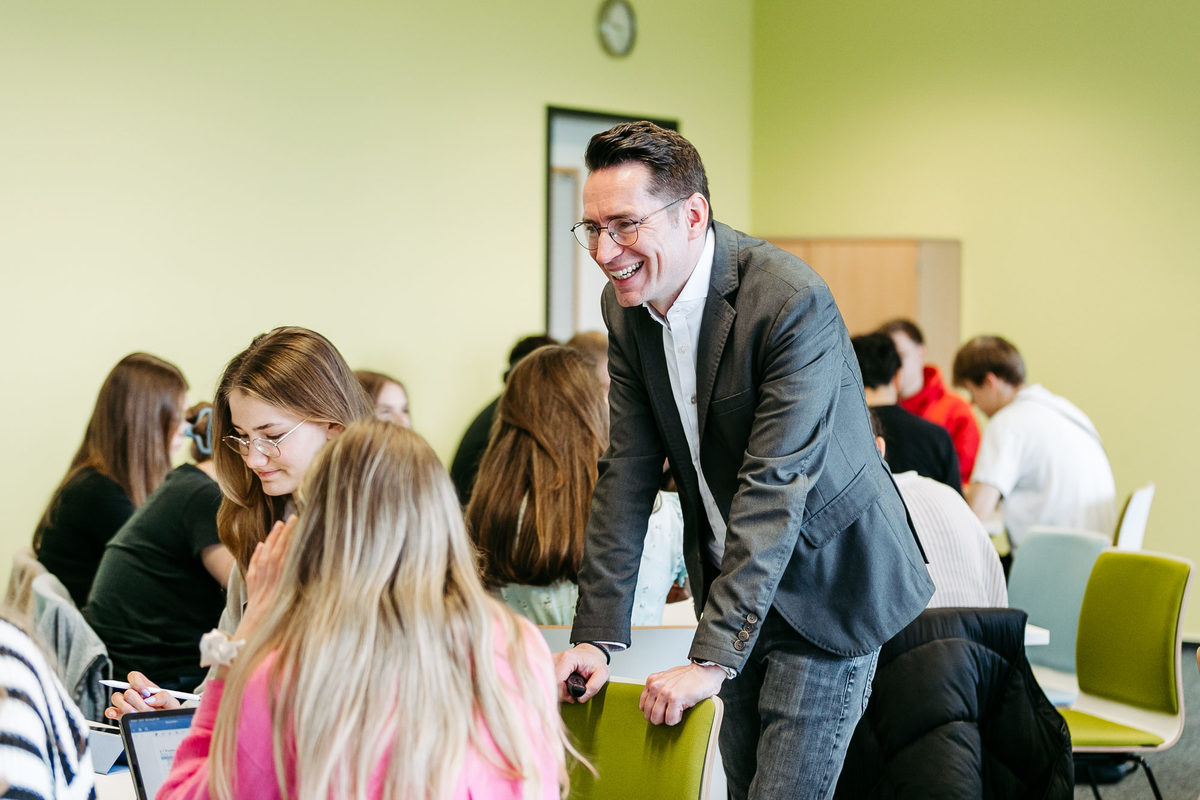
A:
(588, 661)
(142, 695)
(262, 576)
(668, 694)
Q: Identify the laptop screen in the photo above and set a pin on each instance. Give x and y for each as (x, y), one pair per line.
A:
(151, 739)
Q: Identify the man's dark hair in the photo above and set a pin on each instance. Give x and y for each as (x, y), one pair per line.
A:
(676, 170)
(985, 354)
(905, 326)
(877, 359)
(524, 347)
(876, 425)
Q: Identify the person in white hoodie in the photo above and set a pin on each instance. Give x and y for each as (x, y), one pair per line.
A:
(1040, 454)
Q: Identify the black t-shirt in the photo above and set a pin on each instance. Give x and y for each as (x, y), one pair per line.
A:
(87, 511)
(153, 598)
(918, 445)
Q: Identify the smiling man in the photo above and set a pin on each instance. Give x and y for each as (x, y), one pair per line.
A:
(728, 357)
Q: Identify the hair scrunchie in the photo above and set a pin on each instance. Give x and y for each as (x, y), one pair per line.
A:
(217, 648)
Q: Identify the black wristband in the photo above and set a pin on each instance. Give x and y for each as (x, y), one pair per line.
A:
(601, 648)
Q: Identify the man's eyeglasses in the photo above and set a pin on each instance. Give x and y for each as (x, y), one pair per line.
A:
(622, 230)
(268, 447)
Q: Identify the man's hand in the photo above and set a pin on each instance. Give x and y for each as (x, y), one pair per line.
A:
(668, 694)
(588, 661)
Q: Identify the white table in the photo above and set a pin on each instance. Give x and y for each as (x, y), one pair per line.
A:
(116, 785)
(1035, 635)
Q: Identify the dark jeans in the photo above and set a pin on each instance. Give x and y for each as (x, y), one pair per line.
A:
(789, 716)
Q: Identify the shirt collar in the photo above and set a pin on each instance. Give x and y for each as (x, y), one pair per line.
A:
(696, 288)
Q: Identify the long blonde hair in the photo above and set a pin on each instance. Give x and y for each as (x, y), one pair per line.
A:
(299, 371)
(128, 437)
(539, 468)
(379, 583)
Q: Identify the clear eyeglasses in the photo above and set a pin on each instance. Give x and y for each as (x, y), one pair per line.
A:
(622, 230)
(268, 447)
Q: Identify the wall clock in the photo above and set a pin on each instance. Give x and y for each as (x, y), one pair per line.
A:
(617, 27)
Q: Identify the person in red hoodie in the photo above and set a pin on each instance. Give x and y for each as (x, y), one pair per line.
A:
(923, 393)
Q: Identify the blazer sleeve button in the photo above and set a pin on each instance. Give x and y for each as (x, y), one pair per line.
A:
(751, 618)
(739, 645)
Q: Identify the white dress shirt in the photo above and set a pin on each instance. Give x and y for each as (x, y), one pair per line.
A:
(681, 339)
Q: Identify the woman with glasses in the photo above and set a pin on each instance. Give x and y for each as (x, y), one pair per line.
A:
(168, 550)
(449, 695)
(278, 402)
(125, 453)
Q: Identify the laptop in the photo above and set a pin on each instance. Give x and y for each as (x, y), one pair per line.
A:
(151, 738)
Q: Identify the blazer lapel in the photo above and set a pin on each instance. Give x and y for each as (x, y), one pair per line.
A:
(718, 318)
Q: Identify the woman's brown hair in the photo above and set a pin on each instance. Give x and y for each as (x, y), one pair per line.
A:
(539, 470)
(294, 369)
(128, 438)
(373, 382)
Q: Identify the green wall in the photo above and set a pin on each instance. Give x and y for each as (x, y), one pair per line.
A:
(177, 177)
(1059, 141)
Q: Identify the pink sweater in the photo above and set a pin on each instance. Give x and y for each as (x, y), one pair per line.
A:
(188, 779)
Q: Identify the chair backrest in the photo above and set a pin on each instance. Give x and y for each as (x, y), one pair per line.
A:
(633, 758)
(1130, 635)
(19, 595)
(1131, 530)
(80, 656)
(1049, 575)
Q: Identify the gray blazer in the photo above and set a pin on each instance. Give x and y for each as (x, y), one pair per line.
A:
(816, 527)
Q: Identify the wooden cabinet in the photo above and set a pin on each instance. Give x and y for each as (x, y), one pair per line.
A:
(875, 280)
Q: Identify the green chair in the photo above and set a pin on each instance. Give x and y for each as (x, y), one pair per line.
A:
(1127, 661)
(634, 759)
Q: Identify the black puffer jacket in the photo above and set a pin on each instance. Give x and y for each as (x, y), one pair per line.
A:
(956, 713)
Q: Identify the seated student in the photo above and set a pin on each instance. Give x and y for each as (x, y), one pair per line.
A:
(963, 563)
(160, 583)
(125, 454)
(913, 443)
(470, 450)
(370, 661)
(277, 404)
(388, 394)
(1040, 453)
(530, 505)
(43, 736)
(924, 393)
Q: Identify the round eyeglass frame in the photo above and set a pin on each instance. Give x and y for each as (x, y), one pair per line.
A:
(588, 233)
(268, 447)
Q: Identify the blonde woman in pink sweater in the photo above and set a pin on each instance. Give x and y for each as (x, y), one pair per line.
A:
(374, 663)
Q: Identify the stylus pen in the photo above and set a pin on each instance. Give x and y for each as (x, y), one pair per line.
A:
(155, 690)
